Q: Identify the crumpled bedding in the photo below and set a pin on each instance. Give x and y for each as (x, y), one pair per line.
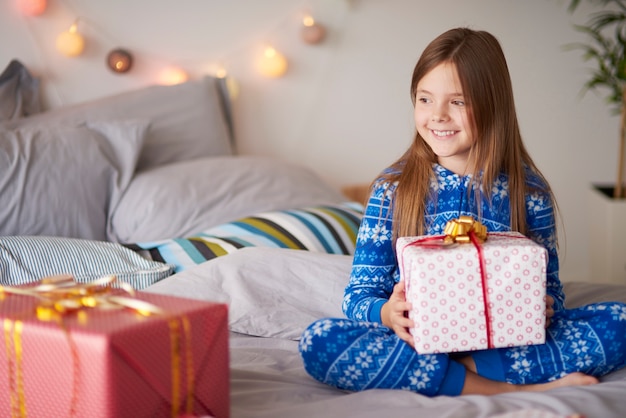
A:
(273, 294)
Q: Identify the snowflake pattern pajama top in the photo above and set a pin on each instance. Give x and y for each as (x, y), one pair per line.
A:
(359, 352)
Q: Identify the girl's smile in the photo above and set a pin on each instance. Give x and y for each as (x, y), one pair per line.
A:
(443, 133)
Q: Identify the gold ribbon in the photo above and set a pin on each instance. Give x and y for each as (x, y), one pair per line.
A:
(61, 295)
(459, 230)
(13, 334)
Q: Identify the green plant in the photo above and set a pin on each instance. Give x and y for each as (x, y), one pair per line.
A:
(607, 32)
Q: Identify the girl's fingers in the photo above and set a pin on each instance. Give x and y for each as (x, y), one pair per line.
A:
(403, 322)
(398, 290)
(405, 336)
(549, 314)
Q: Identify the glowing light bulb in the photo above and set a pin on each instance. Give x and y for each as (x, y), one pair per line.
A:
(70, 43)
(312, 33)
(308, 21)
(119, 61)
(272, 63)
(32, 7)
(173, 75)
(221, 73)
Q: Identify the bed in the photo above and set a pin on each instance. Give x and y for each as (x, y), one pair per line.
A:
(147, 185)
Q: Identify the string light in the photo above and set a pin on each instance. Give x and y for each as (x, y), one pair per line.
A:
(70, 43)
(119, 60)
(173, 75)
(312, 32)
(31, 7)
(221, 73)
(272, 63)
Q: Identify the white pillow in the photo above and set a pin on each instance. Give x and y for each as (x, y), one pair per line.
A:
(180, 199)
(62, 180)
(271, 292)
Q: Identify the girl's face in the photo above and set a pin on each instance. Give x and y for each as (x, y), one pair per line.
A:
(441, 117)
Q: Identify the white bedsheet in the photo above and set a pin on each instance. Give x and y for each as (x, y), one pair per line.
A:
(273, 294)
(268, 380)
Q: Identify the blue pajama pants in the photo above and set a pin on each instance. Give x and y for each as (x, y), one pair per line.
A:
(356, 356)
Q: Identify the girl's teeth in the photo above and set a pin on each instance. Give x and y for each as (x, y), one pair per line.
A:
(443, 133)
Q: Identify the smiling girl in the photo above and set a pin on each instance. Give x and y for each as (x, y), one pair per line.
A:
(467, 158)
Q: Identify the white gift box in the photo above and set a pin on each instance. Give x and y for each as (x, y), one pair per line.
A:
(459, 305)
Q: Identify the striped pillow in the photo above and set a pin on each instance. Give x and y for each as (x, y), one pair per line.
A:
(27, 259)
(329, 229)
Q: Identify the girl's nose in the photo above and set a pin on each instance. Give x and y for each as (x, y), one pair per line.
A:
(440, 114)
(439, 117)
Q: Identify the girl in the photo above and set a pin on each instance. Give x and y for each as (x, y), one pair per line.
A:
(467, 158)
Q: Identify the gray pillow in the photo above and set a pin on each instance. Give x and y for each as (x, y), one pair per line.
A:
(270, 292)
(30, 259)
(19, 92)
(61, 181)
(187, 120)
(180, 199)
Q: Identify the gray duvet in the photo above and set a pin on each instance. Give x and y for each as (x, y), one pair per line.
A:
(273, 294)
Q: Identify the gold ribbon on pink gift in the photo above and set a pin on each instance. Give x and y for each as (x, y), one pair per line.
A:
(61, 295)
(464, 230)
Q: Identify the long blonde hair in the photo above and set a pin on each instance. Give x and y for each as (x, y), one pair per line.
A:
(498, 146)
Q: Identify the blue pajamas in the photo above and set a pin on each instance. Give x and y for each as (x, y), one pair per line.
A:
(358, 352)
(355, 355)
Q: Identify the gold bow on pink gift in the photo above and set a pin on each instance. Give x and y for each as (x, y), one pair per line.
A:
(459, 230)
(59, 295)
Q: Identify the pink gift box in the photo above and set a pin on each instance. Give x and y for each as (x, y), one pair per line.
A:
(115, 363)
(453, 310)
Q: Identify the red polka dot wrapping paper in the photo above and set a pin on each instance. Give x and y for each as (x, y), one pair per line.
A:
(115, 363)
(445, 287)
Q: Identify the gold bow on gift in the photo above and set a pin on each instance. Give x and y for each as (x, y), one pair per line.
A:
(60, 295)
(458, 230)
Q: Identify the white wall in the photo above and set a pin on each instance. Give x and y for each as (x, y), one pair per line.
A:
(343, 108)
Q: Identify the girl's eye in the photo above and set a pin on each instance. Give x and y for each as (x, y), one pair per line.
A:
(458, 102)
(423, 100)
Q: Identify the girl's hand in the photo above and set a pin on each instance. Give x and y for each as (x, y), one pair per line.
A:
(394, 314)
(549, 309)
